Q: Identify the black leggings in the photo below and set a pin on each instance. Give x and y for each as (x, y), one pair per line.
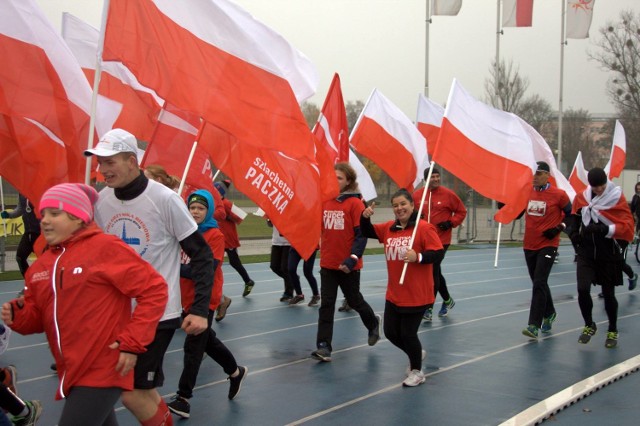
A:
(25, 248)
(90, 407)
(234, 261)
(401, 328)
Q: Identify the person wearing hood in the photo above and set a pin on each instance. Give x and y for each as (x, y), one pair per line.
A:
(341, 248)
(79, 293)
(406, 301)
(201, 206)
(601, 227)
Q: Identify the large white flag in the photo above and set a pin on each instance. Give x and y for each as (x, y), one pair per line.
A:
(446, 7)
(386, 136)
(579, 14)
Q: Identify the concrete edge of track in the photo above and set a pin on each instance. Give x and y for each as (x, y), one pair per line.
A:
(544, 409)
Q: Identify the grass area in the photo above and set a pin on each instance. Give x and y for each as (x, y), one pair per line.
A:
(10, 276)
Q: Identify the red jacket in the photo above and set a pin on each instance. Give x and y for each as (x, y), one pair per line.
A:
(215, 239)
(445, 205)
(228, 226)
(79, 294)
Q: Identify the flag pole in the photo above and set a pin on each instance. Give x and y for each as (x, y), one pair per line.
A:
(4, 222)
(497, 74)
(415, 228)
(191, 154)
(426, 55)
(495, 263)
(563, 42)
(96, 86)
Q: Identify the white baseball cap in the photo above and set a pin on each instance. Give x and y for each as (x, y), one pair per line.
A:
(114, 142)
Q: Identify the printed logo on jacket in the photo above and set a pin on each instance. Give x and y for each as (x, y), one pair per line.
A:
(333, 219)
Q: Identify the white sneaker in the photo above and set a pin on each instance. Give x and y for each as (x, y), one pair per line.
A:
(416, 377)
(4, 339)
(408, 370)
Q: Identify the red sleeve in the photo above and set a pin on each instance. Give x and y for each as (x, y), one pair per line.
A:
(137, 279)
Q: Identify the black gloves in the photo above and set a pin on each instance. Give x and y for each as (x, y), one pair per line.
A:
(350, 263)
(445, 225)
(551, 233)
(596, 229)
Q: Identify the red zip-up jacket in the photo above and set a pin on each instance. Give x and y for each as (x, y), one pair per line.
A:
(79, 294)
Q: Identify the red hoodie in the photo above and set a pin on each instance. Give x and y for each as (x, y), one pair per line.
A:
(79, 294)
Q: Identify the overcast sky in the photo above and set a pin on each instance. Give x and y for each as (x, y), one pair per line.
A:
(381, 44)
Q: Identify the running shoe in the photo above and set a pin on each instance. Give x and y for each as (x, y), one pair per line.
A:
(415, 378)
(248, 286)
(587, 332)
(612, 339)
(547, 323)
(531, 331)
(446, 307)
(235, 383)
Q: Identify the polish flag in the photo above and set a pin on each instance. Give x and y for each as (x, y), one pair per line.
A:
(517, 13)
(542, 152)
(428, 120)
(488, 149)
(140, 105)
(386, 136)
(214, 59)
(446, 7)
(579, 15)
(286, 188)
(578, 177)
(618, 155)
(332, 131)
(171, 144)
(45, 95)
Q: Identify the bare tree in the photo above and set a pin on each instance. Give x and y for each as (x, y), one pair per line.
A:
(505, 88)
(619, 52)
(310, 112)
(536, 111)
(353, 112)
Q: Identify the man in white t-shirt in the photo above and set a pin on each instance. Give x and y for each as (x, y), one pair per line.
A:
(153, 220)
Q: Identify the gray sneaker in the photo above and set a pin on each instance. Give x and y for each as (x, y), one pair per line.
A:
(35, 410)
(374, 335)
(323, 353)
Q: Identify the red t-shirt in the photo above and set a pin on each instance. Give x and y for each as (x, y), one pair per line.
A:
(417, 289)
(215, 239)
(544, 211)
(338, 220)
(445, 205)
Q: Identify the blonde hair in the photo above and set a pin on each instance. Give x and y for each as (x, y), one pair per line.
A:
(159, 174)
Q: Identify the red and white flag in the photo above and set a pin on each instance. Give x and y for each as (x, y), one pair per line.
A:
(446, 7)
(332, 131)
(578, 177)
(140, 105)
(618, 156)
(428, 120)
(386, 136)
(542, 152)
(579, 15)
(517, 13)
(286, 188)
(488, 149)
(46, 99)
(214, 59)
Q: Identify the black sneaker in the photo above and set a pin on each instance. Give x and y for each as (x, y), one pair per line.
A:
(180, 406)
(374, 335)
(587, 332)
(315, 299)
(236, 382)
(285, 297)
(323, 353)
(612, 339)
(248, 286)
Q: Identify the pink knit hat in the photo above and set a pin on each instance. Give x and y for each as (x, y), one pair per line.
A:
(74, 198)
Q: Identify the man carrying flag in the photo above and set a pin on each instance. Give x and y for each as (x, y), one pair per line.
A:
(546, 209)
